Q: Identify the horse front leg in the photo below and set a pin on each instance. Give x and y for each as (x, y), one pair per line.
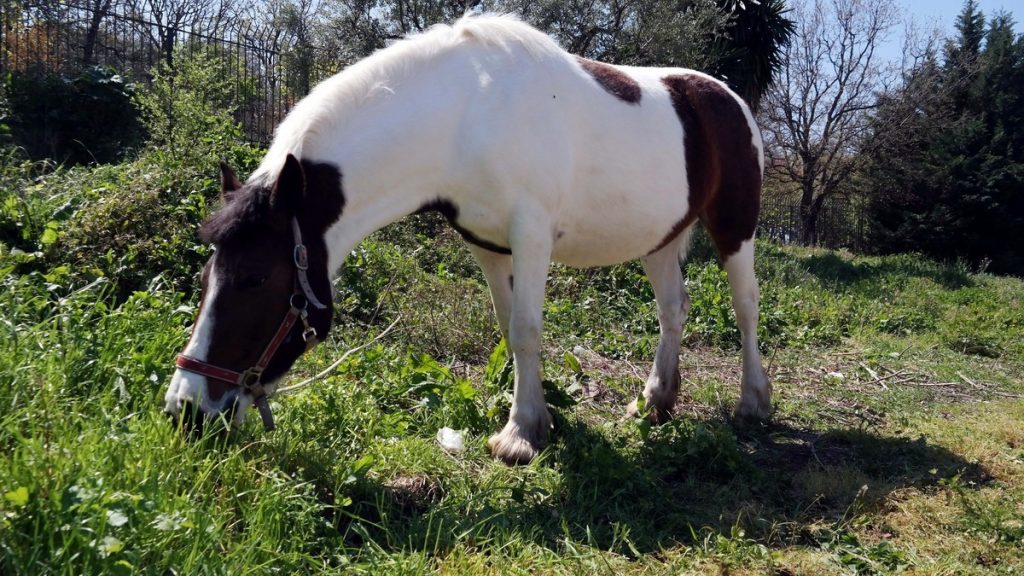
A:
(528, 421)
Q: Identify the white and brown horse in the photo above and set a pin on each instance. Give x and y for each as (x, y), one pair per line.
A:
(532, 154)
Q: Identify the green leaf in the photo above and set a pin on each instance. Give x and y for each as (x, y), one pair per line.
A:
(573, 363)
(496, 361)
(49, 234)
(18, 496)
(499, 373)
(362, 465)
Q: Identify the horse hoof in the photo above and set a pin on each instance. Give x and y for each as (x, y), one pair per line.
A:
(752, 410)
(655, 413)
(513, 447)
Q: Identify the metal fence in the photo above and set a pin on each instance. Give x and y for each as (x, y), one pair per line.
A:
(841, 223)
(269, 67)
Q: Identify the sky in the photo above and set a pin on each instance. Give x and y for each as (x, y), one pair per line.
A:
(941, 14)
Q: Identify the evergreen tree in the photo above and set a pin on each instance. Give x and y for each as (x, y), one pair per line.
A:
(947, 178)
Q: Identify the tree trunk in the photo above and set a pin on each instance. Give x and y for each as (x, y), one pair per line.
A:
(808, 218)
(92, 34)
(167, 46)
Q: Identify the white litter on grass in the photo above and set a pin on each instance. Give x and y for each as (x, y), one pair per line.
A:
(116, 518)
(836, 375)
(451, 440)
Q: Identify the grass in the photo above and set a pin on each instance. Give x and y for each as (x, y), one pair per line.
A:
(897, 444)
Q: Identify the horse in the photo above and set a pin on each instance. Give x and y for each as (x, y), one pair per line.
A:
(532, 154)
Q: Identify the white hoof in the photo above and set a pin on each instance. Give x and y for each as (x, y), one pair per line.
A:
(659, 400)
(755, 401)
(517, 444)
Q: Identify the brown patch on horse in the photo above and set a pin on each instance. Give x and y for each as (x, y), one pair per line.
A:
(613, 80)
(723, 171)
(451, 213)
(254, 266)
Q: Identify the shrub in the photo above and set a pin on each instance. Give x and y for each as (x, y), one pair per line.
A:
(22, 219)
(188, 109)
(137, 232)
(141, 221)
(87, 118)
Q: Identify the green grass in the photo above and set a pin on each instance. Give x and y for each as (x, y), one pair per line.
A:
(897, 444)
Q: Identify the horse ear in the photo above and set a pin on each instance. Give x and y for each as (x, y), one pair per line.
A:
(290, 187)
(228, 181)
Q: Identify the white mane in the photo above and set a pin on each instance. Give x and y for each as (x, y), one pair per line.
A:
(332, 101)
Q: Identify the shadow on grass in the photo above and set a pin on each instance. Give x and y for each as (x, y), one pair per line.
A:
(688, 479)
(832, 269)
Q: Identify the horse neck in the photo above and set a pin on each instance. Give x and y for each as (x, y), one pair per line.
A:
(392, 155)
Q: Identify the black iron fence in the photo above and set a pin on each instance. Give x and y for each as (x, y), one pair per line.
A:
(270, 67)
(840, 224)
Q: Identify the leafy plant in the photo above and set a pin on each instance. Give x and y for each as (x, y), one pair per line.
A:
(188, 109)
(86, 118)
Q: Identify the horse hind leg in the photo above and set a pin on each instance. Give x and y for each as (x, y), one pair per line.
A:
(666, 277)
(756, 390)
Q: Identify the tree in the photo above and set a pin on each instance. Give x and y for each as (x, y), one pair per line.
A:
(634, 32)
(170, 17)
(98, 10)
(739, 40)
(950, 181)
(752, 47)
(817, 116)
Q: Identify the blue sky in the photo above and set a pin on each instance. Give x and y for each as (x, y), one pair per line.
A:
(941, 14)
(945, 11)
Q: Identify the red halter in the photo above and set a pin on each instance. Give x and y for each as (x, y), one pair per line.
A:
(250, 379)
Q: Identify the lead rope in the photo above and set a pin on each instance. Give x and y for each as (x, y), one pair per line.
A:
(336, 363)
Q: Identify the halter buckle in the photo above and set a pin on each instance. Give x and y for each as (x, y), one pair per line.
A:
(308, 332)
(251, 378)
(301, 257)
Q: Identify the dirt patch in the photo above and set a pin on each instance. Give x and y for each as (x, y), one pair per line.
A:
(415, 492)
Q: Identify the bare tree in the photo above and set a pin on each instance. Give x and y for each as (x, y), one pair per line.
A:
(817, 116)
(170, 17)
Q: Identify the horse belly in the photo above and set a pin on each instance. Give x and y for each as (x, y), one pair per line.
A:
(618, 226)
(628, 192)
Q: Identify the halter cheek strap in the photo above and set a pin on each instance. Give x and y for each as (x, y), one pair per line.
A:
(301, 259)
(250, 380)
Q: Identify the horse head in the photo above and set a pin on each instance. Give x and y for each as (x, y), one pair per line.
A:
(265, 298)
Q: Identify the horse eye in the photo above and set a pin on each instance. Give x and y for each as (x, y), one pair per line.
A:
(252, 282)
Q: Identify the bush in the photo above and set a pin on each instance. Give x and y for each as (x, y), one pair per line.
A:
(142, 221)
(138, 220)
(135, 233)
(188, 109)
(87, 118)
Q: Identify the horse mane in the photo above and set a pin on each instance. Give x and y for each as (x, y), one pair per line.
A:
(332, 101)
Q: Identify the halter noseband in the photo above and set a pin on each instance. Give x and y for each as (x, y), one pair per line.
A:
(250, 379)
